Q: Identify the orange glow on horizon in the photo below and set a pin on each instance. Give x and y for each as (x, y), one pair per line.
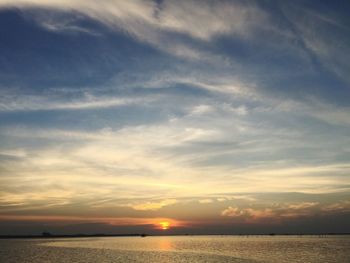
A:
(158, 223)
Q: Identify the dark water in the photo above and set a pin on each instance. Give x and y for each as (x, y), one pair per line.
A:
(279, 249)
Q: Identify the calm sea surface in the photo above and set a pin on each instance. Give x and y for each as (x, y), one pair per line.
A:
(306, 249)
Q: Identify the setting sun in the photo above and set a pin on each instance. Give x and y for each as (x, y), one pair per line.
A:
(164, 225)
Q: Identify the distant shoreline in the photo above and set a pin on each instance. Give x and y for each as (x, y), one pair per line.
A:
(145, 235)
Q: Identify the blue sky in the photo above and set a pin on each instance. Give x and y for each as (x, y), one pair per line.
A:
(132, 111)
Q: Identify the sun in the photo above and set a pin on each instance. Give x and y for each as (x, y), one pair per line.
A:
(164, 225)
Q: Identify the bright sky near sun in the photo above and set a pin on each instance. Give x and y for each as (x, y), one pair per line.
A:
(199, 115)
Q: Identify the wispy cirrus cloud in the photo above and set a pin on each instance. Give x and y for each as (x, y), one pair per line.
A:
(140, 17)
(152, 22)
(316, 29)
(40, 103)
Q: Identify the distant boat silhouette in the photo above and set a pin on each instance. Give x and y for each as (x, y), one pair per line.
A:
(46, 234)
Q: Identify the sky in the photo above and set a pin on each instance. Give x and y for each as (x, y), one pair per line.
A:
(216, 117)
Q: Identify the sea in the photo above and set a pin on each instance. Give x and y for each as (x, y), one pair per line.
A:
(174, 249)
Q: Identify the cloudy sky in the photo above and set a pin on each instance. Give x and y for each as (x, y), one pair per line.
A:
(213, 116)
